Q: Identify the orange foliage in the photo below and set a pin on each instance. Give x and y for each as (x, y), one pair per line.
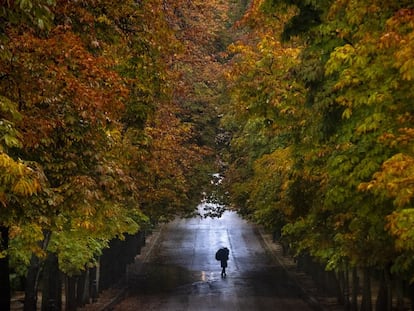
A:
(59, 82)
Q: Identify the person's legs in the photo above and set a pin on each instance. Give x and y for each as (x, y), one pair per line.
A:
(223, 266)
(223, 270)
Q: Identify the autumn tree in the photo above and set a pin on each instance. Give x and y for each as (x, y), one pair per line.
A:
(340, 188)
(19, 178)
(71, 101)
(95, 99)
(263, 121)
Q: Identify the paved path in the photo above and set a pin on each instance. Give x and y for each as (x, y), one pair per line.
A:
(182, 274)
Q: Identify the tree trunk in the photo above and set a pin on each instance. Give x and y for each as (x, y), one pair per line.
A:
(347, 302)
(93, 283)
(411, 295)
(389, 282)
(4, 271)
(331, 283)
(70, 293)
(82, 288)
(366, 304)
(400, 296)
(31, 286)
(381, 303)
(52, 289)
(343, 288)
(355, 289)
(32, 278)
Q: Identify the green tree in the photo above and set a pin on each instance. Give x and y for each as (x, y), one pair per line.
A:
(346, 160)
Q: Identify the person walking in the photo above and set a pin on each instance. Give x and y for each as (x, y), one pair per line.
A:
(222, 255)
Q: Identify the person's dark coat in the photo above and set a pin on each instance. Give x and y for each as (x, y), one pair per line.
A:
(223, 255)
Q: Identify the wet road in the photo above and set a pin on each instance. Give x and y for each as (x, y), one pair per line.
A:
(182, 273)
